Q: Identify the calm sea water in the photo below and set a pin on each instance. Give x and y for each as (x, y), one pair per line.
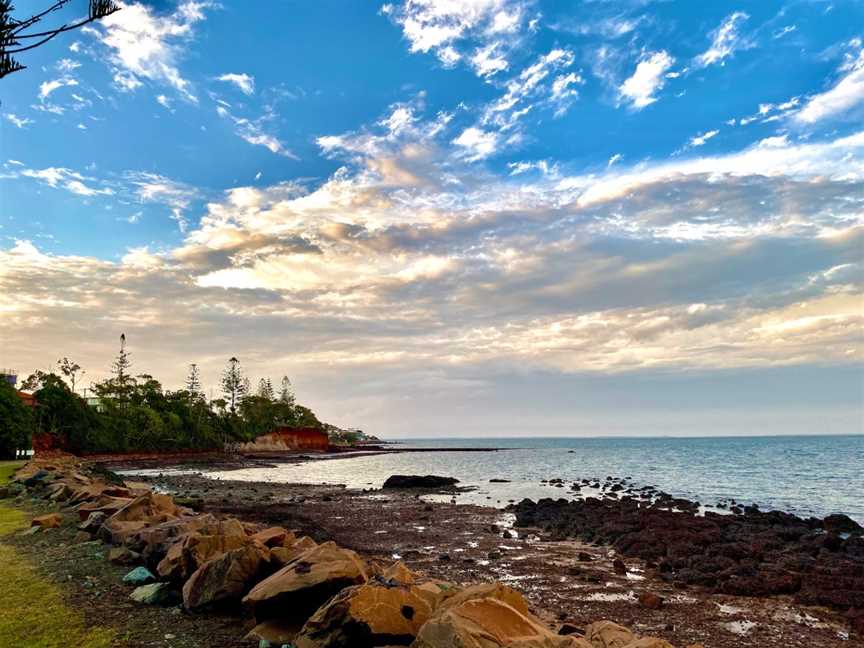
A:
(803, 475)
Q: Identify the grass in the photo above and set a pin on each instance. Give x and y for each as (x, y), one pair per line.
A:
(34, 614)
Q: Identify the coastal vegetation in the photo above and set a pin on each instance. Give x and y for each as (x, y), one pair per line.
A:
(135, 413)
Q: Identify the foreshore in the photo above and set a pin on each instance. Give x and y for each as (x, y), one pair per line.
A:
(534, 548)
(567, 579)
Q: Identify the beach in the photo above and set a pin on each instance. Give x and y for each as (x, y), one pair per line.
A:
(567, 579)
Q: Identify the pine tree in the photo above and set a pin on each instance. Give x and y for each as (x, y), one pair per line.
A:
(234, 385)
(193, 381)
(265, 389)
(21, 35)
(121, 369)
(286, 392)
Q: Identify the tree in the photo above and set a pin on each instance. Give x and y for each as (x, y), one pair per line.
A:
(193, 382)
(234, 385)
(265, 389)
(34, 381)
(64, 414)
(16, 36)
(286, 393)
(16, 422)
(69, 370)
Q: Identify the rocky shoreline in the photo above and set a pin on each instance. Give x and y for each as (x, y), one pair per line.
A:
(568, 584)
(569, 581)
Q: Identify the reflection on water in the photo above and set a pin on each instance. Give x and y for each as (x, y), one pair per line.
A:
(805, 475)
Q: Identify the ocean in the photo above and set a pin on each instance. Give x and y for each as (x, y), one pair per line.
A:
(805, 475)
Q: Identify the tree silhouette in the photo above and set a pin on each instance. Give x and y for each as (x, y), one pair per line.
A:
(70, 370)
(234, 385)
(193, 381)
(16, 37)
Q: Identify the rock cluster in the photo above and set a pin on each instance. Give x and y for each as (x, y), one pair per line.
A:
(820, 562)
(299, 592)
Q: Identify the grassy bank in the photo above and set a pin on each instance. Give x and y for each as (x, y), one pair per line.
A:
(35, 614)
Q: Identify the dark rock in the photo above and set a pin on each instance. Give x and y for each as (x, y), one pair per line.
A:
(570, 629)
(418, 481)
(650, 600)
(499, 481)
(619, 567)
(839, 523)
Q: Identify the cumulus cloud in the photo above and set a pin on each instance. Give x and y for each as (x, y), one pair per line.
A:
(726, 39)
(649, 77)
(147, 46)
(244, 82)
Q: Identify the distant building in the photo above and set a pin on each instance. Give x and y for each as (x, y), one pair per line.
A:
(10, 376)
(285, 438)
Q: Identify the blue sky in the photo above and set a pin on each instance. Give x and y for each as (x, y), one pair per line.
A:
(420, 209)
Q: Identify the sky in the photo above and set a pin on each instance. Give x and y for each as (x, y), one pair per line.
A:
(452, 217)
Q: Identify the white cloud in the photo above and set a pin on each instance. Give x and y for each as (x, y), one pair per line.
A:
(726, 39)
(63, 178)
(487, 62)
(699, 140)
(847, 93)
(67, 65)
(244, 82)
(476, 143)
(148, 46)
(163, 101)
(614, 159)
(252, 131)
(482, 31)
(531, 88)
(47, 87)
(150, 187)
(18, 122)
(648, 78)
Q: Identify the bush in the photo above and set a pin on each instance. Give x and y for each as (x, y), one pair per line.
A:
(16, 422)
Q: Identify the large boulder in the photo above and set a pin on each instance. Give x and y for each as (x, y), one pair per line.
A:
(228, 577)
(419, 481)
(153, 542)
(285, 554)
(142, 512)
(305, 583)
(106, 504)
(380, 612)
(185, 556)
(489, 623)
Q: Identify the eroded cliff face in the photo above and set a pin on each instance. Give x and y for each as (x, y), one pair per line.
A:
(289, 440)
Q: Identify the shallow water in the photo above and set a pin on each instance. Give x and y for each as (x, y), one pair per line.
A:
(803, 475)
